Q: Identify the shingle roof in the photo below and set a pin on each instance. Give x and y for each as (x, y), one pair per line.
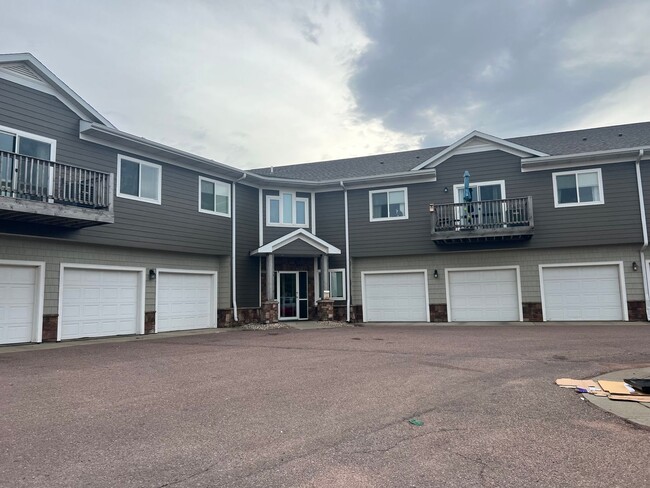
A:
(570, 142)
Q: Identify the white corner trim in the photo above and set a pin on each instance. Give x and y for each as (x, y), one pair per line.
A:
(496, 143)
(484, 268)
(215, 290)
(141, 289)
(621, 281)
(39, 294)
(394, 271)
(312, 208)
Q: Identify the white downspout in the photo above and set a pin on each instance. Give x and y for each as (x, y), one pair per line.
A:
(644, 228)
(347, 254)
(235, 314)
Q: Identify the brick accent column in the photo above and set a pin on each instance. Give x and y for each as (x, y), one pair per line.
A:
(149, 322)
(326, 310)
(269, 312)
(50, 325)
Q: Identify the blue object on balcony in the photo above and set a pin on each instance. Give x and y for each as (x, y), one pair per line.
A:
(467, 196)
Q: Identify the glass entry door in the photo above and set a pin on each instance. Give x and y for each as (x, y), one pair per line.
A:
(292, 295)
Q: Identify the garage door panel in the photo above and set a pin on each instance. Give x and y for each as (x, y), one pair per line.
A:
(483, 295)
(99, 302)
(18, 303)
(185, 301)
(590, 292)
(395, 297)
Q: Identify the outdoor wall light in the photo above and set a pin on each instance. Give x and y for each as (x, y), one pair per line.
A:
(432, 208)
(435, 273)
(446, 189)
(152, 274)
(635, 267)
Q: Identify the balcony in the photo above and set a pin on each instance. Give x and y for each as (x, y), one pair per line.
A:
(45, 192)
(507, 219)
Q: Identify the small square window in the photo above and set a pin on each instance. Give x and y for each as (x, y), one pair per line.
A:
(138, 180)
(576, 188)
(389, 204)
(214, 197)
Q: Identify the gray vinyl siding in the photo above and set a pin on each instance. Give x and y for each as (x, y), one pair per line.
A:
(55, 252)
(528, 261)
(247, 240)
(391, 237)
(617, 221)
(330, 223)
(273, 232)
(175, 225)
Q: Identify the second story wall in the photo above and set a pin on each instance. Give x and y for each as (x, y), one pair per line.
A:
(330, 223)
(174, 225)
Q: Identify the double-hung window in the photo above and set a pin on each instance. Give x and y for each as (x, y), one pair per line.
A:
(580, 187)
(286, 209)
(389, 204)
(138, 180)
(214, 197)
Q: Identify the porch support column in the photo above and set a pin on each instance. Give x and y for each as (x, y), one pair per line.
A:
(325, 275)
(270, 282)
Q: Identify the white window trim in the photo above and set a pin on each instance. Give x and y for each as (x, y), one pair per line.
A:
(216, 183)
(501, 183)
(20, 133)
(389, 218)
(345, 288)
(157, 201)
(293, 216)
(601, 194)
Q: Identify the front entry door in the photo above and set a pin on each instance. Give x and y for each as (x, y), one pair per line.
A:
(292, 295)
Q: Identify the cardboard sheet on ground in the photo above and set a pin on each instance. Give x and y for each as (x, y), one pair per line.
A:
(615, 387)
(631, 398)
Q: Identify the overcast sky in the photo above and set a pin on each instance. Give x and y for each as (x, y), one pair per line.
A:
(259, 83)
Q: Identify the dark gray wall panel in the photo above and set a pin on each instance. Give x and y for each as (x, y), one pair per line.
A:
(330, 223)
(248, 283)
(176, 225)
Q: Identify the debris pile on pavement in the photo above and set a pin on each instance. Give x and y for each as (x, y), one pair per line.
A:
(614, 390)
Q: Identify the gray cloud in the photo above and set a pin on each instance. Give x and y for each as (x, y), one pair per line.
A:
(439, 69)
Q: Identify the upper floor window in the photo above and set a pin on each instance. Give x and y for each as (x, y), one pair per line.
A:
(581, 187)
(16, 141)
(138, 180)
(388, 204)
(214, 197)
(481, 191)
(286, 209)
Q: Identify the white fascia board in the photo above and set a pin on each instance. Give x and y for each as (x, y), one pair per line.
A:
(106, 136)
(502, 144)
(563, 161)
(299, 234)
(55, 83)
(402, 178)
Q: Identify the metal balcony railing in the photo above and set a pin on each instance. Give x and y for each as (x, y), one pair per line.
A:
(28, 178)
(509, 217)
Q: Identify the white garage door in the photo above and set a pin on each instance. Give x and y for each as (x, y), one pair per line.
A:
(18, 299)
(99, 302)
(489, 295)
(395, 297)
(582, 293)
(185, 301)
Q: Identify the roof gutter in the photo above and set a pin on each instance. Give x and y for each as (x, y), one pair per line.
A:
(584, 159)
(347, 253)
(233, 258)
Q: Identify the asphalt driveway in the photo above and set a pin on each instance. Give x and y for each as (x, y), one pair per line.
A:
(323, 408)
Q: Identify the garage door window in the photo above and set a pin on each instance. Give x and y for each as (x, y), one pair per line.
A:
(574, 188)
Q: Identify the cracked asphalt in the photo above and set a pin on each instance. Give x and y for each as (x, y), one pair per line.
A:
(323, 408)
